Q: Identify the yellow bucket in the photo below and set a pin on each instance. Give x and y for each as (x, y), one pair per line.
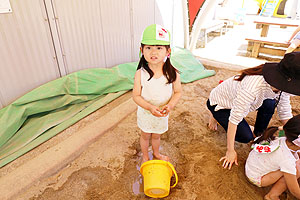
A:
(157, 175)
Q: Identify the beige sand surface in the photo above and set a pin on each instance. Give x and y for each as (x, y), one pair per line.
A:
(108, 169)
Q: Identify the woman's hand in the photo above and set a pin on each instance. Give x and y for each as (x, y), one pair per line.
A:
(229, 159)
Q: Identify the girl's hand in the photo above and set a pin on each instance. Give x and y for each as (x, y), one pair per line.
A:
(229, 159)
(156, 111)
(165, 110)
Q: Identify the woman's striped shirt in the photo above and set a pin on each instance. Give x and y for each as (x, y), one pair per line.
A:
(246, 96)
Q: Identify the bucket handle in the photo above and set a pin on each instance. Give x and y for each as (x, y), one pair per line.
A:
(173, 169)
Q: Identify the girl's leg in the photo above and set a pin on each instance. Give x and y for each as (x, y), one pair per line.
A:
(271, 178)
(144, 142)
(264, 115)
(278, 188)
(155, 146)
(243, 133)
(294, 44)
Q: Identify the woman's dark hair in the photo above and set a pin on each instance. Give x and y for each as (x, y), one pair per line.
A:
(168, 70)
(258, 70)
(291, 131)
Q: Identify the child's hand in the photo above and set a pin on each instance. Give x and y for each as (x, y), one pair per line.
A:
(165, 110)
(156, 111)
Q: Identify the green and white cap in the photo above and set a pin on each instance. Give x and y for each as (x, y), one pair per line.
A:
(156, 35)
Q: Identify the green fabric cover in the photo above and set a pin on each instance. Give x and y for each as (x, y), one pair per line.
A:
(47, 110)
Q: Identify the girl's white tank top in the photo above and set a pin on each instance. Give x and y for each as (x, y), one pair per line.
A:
(156, 91)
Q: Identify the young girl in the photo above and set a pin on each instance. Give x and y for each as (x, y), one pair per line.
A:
(156, 90)
(294, 40)
(275, 160)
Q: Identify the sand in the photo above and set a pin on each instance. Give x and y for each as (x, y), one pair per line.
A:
(108, 169)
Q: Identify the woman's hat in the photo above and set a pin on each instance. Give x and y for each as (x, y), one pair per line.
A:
(285, 75)
(156, 35)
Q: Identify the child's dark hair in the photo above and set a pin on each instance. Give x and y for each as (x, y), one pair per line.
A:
(168, 70)
(291, 130)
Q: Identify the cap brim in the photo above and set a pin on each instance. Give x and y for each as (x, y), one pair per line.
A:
(155, 42)
(275, 78)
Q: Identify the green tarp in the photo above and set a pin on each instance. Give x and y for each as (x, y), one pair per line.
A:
(47, 110)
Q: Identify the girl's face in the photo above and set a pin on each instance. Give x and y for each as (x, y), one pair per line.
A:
(155, 55)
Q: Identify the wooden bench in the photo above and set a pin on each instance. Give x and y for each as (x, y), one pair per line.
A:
(212, 26)
(267, 46)
(265, 23)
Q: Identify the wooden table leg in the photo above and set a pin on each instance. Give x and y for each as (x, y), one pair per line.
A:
(264, 30)
(258, 26)
(255, 49)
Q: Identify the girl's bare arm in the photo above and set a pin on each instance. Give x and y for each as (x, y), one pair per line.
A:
(175, 97)
(177, 92)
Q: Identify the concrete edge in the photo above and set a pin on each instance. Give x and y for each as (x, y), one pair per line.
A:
(217, 64)
(68, 150)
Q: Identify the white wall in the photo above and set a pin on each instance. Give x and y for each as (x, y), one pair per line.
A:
(27, 56)
(42, 40)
